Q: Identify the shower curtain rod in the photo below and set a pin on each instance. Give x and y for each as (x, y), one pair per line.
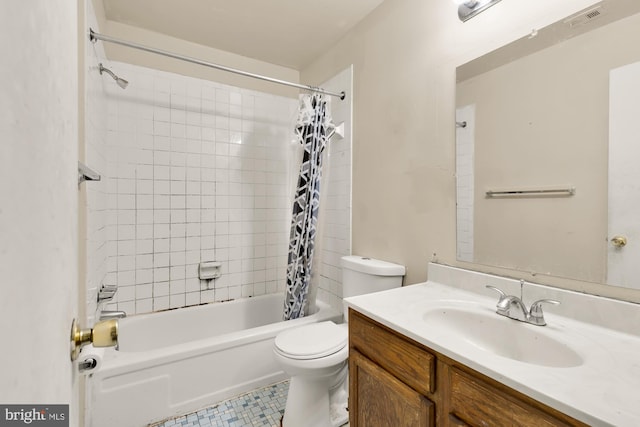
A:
(93, 36)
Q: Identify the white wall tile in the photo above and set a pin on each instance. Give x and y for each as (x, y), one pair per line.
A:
(202, 175)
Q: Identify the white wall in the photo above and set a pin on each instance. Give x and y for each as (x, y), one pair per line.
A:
(404, 56)
(95, 150)
(193, 50)
(38, 200)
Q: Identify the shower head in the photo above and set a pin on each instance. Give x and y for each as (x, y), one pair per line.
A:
(121, 82)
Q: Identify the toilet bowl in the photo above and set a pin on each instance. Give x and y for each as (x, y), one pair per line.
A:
(316, 358)
(316, 355)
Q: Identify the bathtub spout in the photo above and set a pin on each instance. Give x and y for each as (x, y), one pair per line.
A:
(104, 315)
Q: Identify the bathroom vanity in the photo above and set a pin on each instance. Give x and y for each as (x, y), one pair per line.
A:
(438, 354)
(396, 381)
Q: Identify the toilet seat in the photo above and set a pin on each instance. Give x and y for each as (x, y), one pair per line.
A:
(312, 341)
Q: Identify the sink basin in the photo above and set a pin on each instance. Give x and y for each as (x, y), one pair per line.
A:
(490, 332)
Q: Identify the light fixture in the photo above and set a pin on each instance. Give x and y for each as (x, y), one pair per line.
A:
(467, 9)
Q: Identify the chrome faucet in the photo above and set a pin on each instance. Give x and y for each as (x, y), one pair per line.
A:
(106, 314)
(512, 307)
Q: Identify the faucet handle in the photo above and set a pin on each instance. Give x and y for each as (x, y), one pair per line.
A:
(498, 290)
(107, 292)
(502, 306)
(535, 312)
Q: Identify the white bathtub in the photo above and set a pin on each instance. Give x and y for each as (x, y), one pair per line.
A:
(178, 361)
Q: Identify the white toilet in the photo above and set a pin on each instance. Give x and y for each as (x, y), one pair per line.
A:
(316, 355)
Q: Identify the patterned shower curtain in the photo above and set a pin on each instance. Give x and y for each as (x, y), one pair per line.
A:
(311, 131)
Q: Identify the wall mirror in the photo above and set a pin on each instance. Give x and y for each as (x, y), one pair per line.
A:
(547, 157)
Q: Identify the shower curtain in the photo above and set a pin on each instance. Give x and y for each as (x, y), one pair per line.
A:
(311, 131)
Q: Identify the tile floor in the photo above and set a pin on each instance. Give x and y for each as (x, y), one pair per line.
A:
(259, 408)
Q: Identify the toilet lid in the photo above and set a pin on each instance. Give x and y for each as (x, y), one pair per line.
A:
(312, 341)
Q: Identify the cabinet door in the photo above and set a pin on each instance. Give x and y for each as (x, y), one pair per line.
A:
(378, 399)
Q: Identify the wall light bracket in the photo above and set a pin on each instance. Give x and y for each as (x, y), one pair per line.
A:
(470, 8)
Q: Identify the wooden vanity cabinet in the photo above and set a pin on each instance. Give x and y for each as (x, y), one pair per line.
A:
(397, 382)
(390, 377)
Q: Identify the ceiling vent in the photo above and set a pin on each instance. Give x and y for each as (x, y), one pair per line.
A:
(585, 17)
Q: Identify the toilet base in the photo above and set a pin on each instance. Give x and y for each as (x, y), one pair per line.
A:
(338, 400)
(317, 402)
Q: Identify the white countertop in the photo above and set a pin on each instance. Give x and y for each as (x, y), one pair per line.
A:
(603, 391)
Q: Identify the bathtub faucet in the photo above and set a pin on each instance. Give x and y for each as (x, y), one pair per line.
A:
(104, 315)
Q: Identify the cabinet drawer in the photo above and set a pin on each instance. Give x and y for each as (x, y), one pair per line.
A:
(405, 359)
(378, 399)
(479, 404)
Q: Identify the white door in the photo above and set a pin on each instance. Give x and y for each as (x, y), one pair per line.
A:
(623, 268)
(38, 203)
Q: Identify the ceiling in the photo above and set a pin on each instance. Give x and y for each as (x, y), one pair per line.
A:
(290, 33)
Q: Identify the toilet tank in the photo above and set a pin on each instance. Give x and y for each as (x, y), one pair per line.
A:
(362, 275)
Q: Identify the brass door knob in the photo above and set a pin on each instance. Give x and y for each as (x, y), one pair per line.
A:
(619, 241)
(103, 334)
